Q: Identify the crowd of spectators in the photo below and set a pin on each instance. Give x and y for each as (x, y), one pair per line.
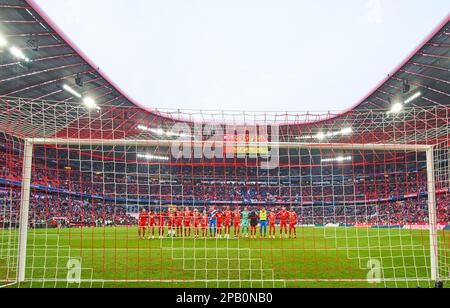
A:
(242, 186)
(47, 208)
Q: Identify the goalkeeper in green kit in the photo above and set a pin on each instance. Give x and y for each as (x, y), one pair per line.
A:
(245, 224)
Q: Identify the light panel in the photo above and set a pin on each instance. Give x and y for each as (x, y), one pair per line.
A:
(339, 159)
(413, 98)
(3, 41)
(71, 91)
(322, 136)
(152, 157)
(18, 53)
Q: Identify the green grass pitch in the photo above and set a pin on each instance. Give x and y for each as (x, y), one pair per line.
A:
(319, 257)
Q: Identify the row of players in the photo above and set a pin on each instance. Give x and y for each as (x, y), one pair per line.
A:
(217, 223)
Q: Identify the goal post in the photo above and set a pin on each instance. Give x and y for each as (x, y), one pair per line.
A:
(27, 175)
(24, 210)
(432, 214)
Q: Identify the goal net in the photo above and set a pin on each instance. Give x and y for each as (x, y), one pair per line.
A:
(115, 196)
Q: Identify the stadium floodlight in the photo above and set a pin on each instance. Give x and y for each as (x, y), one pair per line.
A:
(306, 137)
(162, 132)
(3, 41)
(142, 127)
(339, 159)
(173, 134)
(152, 157)
(321, 136)
(90, 103)
(71, 90)
(347, 131)
(16, 52)
(156, 131)
(413, 98)
(396, 108)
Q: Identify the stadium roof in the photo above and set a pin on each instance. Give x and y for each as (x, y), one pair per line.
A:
(44, 59)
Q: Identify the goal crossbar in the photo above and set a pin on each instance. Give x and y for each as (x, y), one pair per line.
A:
(281, 145)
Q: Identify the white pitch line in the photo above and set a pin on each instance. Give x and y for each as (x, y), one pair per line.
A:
(7, 285)
(153, 249)
(232, 280)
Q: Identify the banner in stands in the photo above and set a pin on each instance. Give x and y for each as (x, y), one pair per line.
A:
(424, 227)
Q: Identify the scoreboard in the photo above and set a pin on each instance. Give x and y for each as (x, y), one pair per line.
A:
(246, 144)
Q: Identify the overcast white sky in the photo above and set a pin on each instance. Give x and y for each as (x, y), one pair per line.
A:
(286, 55)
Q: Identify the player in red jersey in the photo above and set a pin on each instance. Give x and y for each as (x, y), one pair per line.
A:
(237, 223)
(151, 224)
(293, 219)
(179, 222)
(171, 222)
(196, 217)
(143, 217)
(219, 217)
(227, 222)
(161, 223)
(205, 221)
(272, 220)
(283, 215)
(187, 215)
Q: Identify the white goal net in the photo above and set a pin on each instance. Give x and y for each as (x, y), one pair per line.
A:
(115, 196)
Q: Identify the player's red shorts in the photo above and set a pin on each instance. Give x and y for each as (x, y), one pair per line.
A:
(292, 225)
(237, 224)
(227, 223)
(179, 222)
(204, 222)
(219, 224)
(272, 225)
(142, 224)
(152, 223)
(187, 223)
(283, 224)
(171, 223)
(196, 224)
